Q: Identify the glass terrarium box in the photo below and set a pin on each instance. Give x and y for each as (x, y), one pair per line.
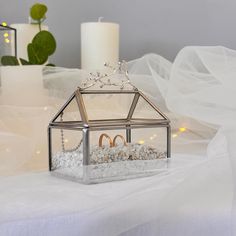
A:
(104, 135)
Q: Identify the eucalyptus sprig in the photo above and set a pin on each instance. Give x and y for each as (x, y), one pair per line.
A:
(42, 46)
(38, 13)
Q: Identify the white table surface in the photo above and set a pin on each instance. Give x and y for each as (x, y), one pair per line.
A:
(193, 198)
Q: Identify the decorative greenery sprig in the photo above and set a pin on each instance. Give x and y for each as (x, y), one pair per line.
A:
(37, 13)
(104, 80)
(42, 46)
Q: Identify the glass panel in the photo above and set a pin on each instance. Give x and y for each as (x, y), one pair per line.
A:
(71, 112)
(144, 110)
(111, 158)
(67, 157)
(107, 106)
(144, 155)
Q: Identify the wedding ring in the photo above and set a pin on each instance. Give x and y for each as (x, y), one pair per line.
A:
(101, 139)
(122, 138)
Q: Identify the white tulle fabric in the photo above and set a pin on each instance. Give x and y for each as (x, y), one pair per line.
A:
(197, 91)
(201, 84)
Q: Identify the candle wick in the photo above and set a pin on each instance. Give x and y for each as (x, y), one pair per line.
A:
(100, 18)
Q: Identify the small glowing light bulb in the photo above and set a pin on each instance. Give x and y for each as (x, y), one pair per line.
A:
(182, 129)
(45, 108)
(151, 138)
(38, 152)
(141, 141)
(66, 140)
(174, 135)
(7, 40)
(6, 35)
(154, 135)
(4, 23)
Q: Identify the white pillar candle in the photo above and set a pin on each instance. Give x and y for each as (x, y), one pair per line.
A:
(99, 45)
(25, 34)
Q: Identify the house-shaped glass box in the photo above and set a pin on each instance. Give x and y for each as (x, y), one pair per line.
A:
(104, 135)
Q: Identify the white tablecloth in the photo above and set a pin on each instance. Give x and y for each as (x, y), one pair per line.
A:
(194, 197)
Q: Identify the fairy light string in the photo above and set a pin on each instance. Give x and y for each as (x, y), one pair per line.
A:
(5, 35)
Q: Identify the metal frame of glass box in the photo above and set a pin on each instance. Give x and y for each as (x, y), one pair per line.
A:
(86, 125)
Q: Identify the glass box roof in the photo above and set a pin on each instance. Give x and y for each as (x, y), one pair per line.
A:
(108, 109)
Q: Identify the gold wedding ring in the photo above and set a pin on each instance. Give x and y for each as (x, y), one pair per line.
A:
(111, 143)
(118, 136)
(101, 139)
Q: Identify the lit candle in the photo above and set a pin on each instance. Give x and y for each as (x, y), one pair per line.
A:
(25, 34)
(99, 45)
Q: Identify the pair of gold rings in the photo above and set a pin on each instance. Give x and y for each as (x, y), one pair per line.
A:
(112, 143)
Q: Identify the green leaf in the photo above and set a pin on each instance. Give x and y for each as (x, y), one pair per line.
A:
(38, 11)
(36, 55)
(24, 62)
(9, 61)
(45, 41)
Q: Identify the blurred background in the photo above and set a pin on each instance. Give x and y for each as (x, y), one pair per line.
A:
(158, 26)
